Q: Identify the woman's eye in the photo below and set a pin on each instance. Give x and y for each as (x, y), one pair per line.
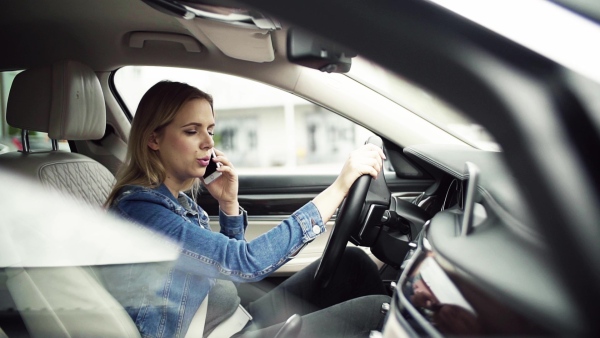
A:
(211, 133)
(190, 132)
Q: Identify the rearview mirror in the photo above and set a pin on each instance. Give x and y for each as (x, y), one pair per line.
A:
(309, 51)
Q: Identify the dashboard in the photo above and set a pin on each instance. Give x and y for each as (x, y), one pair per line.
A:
(477, 266)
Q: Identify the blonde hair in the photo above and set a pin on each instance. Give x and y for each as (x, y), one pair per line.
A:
(157, 109)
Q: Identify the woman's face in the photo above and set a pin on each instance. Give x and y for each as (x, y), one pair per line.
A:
(184, 144)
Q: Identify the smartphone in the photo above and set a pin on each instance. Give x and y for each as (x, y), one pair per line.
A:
(211, 173)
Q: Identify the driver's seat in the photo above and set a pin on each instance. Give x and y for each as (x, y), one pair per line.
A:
(66, 101)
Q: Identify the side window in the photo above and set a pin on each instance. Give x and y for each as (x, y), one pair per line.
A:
(261, 129)
(10, 137)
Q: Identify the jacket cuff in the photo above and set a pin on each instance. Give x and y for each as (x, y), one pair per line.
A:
(310, 220)
(233, 225)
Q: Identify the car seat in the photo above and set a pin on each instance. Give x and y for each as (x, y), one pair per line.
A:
(64, 100)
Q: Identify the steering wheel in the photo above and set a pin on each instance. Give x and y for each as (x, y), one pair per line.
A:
(346, 223)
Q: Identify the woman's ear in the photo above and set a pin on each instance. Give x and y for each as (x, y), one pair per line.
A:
(153, 142)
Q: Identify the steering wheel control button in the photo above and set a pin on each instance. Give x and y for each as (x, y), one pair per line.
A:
(316, 229)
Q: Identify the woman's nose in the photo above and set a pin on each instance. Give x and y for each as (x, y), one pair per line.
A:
(207, 142)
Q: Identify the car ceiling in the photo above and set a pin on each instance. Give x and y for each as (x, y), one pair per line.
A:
(40, 32)
(53, 30)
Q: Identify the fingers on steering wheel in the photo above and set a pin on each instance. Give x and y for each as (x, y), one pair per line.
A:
(375, 163)
(376, 169)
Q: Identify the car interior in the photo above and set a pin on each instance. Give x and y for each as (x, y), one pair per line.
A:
(484, 221)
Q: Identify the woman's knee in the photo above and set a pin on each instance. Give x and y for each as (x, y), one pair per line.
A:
(354, 254)
(357, 257)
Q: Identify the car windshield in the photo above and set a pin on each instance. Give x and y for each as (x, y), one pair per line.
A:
(422, 103)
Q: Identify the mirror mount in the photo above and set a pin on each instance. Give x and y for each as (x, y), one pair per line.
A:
(309, 51)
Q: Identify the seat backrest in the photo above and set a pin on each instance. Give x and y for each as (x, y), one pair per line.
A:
(64, 100)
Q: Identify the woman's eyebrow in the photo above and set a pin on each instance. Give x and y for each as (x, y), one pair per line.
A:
(197, 124)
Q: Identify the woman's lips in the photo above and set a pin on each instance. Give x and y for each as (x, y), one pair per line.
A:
(204, 161)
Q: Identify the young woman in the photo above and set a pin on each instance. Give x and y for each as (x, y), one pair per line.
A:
(170, 145)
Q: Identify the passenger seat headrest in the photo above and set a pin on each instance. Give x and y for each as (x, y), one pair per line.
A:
(64, 100)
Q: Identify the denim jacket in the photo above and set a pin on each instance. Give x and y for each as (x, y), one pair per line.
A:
(162, 298)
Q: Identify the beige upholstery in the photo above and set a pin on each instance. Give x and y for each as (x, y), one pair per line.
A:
(66, 101)
(67, 302)
(70, 173)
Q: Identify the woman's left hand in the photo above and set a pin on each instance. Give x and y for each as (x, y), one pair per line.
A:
(225, 188)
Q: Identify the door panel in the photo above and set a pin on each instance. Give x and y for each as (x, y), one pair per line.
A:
(310, 253)
(262, 195)
(271, 199)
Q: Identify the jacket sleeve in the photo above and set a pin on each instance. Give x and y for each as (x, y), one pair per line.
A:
(215, 255)
(233, 226)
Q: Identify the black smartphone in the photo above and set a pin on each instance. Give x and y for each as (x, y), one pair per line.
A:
(211, 173)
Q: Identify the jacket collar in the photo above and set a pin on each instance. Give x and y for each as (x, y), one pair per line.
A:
(182, 199)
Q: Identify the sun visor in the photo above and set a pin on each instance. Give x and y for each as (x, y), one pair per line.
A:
(239, 33)
(236, 40)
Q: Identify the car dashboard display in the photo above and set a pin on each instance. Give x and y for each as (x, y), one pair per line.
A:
(477, 266)
(440, 300)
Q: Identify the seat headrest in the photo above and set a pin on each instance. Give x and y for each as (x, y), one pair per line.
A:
(64, 100)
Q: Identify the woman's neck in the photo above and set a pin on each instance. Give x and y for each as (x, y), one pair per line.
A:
(174, 186)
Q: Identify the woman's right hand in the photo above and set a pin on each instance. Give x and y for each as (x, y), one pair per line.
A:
(225, 188)
(367, 159)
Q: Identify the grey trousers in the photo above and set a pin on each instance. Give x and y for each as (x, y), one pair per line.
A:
(348, 307)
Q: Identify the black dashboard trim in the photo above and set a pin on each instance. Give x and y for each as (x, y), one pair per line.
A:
(496, 186)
